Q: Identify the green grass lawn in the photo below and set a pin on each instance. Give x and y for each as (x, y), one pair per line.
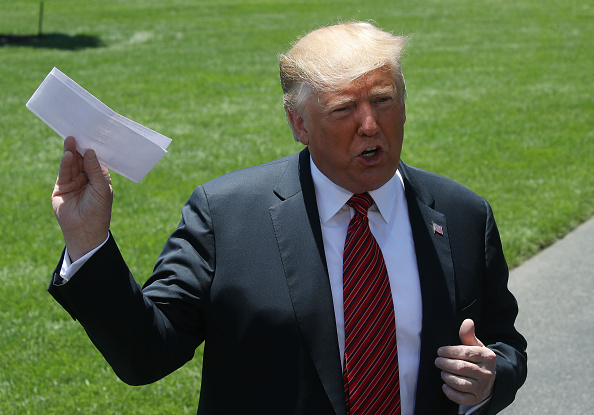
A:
(500, 99)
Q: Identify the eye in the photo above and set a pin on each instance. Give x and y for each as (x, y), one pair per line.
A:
(341, 112)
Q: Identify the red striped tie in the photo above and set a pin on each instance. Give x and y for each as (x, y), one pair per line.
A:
(370, 373)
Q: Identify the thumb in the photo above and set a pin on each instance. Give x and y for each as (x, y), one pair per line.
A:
(93, 168)
(467, 335)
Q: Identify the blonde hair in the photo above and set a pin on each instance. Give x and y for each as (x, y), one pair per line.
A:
(331, 57)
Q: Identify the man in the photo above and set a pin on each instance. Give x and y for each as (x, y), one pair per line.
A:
(255, 268)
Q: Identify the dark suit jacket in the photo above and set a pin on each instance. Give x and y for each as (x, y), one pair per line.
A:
(246, 271)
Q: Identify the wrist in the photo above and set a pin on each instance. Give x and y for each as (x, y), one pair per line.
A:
(80, 245)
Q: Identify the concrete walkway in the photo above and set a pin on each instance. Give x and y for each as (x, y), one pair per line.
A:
(555, 291)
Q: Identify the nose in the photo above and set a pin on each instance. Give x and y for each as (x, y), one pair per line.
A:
(368, 125)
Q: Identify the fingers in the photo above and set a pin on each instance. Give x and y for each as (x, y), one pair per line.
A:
(468, 370)
(70, 177)
(476, 351)
(76, 172)
(69, 174)
(461, 361)
(459, 383)
(71, 163)
(461, 398)
(65, 173)
(472, 354)
(462, 390)
(106, 175)
(467, 383)
(92, 167)
(474, 362)
(467, 335)
(70, 144)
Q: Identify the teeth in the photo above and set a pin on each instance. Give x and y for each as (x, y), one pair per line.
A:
(368, 152)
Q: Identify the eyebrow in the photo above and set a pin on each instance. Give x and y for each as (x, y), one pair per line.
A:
(375, 92)
(382, 90)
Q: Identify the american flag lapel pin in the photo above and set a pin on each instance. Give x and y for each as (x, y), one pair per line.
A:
(437, 229)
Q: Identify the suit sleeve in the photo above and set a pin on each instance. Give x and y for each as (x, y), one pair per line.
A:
(496, 328)
(145, 334)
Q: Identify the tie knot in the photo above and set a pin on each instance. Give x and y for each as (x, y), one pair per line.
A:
(361, 202)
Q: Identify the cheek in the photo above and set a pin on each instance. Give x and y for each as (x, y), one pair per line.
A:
(333, 141)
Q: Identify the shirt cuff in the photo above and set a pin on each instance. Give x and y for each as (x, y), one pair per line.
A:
(469, 409)
(69, 268)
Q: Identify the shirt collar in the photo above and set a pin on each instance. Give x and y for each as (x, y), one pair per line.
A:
(331, 197)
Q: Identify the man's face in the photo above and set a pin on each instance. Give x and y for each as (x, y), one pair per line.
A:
(355, 135)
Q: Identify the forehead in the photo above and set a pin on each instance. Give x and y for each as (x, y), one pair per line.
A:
(374, 83)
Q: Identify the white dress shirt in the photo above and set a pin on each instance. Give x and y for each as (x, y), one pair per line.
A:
(389, 223)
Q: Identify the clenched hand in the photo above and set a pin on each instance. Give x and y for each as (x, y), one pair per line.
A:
(468, 370)
(82, 200)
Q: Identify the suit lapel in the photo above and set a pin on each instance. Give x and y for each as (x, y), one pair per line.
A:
(436, 274)
(299, 236)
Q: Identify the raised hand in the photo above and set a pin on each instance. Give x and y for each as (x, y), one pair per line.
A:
(468, 370)
(82, 200)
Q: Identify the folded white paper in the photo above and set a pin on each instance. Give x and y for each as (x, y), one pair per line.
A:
(121, 144)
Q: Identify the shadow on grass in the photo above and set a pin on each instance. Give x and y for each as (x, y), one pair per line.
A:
(52, 41)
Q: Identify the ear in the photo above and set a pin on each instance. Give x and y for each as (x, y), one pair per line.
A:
(298, 125)
(403, 109)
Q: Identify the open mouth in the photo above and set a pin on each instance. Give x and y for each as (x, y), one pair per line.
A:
(370, 152)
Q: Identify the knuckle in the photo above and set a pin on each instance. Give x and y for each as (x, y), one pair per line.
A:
(463, 385)
(462, 366)
(491, 356)
(458, 383)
